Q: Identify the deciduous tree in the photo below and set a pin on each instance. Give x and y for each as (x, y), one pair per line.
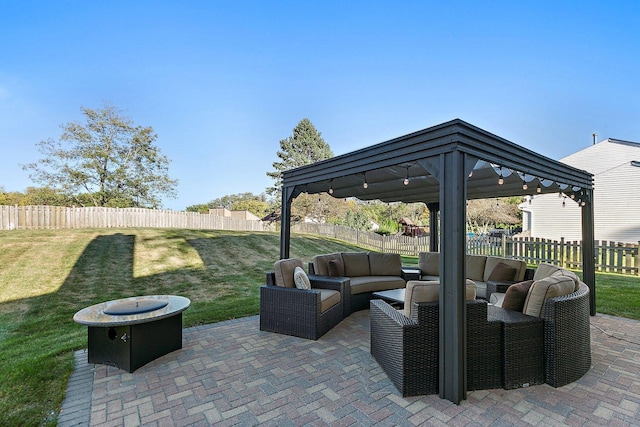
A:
(484, 214)
(107, 161)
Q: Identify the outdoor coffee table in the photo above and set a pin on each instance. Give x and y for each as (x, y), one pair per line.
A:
(394, 297)
(131, 332)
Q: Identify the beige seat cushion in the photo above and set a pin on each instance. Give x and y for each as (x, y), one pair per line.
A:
(570, 274)
(429, 263)
(328, 298)
(475, 267)
(284, 269)
(385, 264)
(362, 284)
(549, 287)
(481, 289)
(421, 291)
(356, 264)
(547, 270)
(496, 299)
(544, 270)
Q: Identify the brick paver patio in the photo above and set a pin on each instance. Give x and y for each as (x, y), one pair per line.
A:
(231, 373)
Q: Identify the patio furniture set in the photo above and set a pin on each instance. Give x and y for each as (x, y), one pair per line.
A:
(523, 327)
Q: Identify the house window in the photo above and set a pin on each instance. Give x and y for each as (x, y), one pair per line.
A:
(526, 221)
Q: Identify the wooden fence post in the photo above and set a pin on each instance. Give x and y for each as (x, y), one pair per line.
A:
(638, 259)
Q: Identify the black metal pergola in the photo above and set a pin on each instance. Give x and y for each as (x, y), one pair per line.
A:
(444, 166)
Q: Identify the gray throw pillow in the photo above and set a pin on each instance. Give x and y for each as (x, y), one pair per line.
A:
(502, 273)
(516, 295)
(335, 268)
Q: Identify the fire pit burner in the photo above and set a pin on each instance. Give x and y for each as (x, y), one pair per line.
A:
(125, 308)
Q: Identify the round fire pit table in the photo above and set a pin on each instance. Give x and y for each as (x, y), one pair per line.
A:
(131, 332)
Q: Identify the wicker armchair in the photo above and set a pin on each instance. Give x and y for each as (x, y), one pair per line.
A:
(299, 312)
(407, 349)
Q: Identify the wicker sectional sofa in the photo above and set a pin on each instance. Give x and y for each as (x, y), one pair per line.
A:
(367, 272)
(480, 268)
(549, 342)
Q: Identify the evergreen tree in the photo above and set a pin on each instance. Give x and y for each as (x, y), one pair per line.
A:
(304, 147)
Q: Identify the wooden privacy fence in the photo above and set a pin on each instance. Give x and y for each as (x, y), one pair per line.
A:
(611, 257)
(52, 217)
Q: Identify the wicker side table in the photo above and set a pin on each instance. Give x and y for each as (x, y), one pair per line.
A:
(522, 347)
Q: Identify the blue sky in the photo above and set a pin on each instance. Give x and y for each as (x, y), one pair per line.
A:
(222, 82)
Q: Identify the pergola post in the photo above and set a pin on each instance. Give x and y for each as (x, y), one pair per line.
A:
(452, 320)
(434, 208)
(588, 249)
(285, 222)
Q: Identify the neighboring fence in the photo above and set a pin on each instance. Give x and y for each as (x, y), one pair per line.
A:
(51, 217)
(611, 257)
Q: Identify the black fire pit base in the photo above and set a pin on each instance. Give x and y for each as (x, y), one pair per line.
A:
(129, 347)
(131, 332)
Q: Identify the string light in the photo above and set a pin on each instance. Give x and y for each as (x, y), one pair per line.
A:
(366, 184)
(406, 178)
(501, 179)
(538, 188)
(524, 182)
(331, 187)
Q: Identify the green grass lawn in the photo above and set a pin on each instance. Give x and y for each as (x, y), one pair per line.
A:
(48, 275)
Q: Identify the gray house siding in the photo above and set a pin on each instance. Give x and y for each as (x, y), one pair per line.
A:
(550, 220)
(616, 168)
(617, 206)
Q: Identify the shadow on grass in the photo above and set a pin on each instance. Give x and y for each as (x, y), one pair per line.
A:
(224, 274)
